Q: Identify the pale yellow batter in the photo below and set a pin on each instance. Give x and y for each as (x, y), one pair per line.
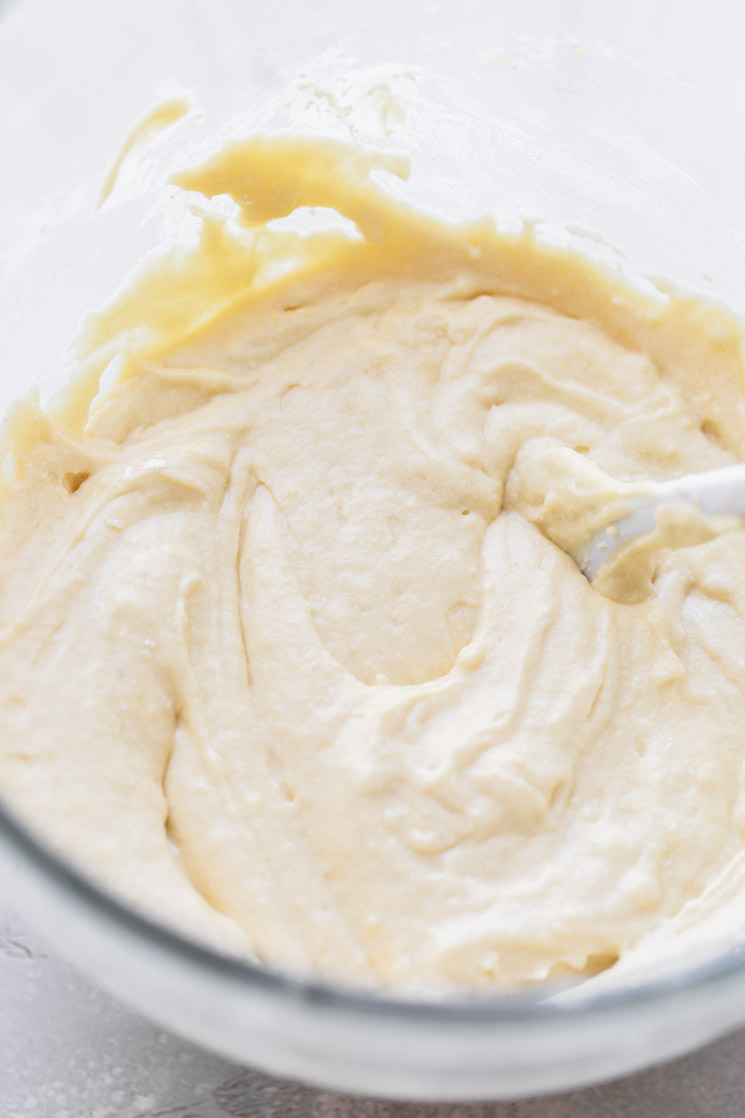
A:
(286, 654)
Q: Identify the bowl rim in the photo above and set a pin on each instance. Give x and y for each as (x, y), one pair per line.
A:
(437, 1009)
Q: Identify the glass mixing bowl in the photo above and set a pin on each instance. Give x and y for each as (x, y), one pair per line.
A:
(618, 128)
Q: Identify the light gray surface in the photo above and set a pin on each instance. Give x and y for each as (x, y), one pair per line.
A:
(69, 1051)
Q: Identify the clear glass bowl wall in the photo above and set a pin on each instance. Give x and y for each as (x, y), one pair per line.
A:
(620, 129)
